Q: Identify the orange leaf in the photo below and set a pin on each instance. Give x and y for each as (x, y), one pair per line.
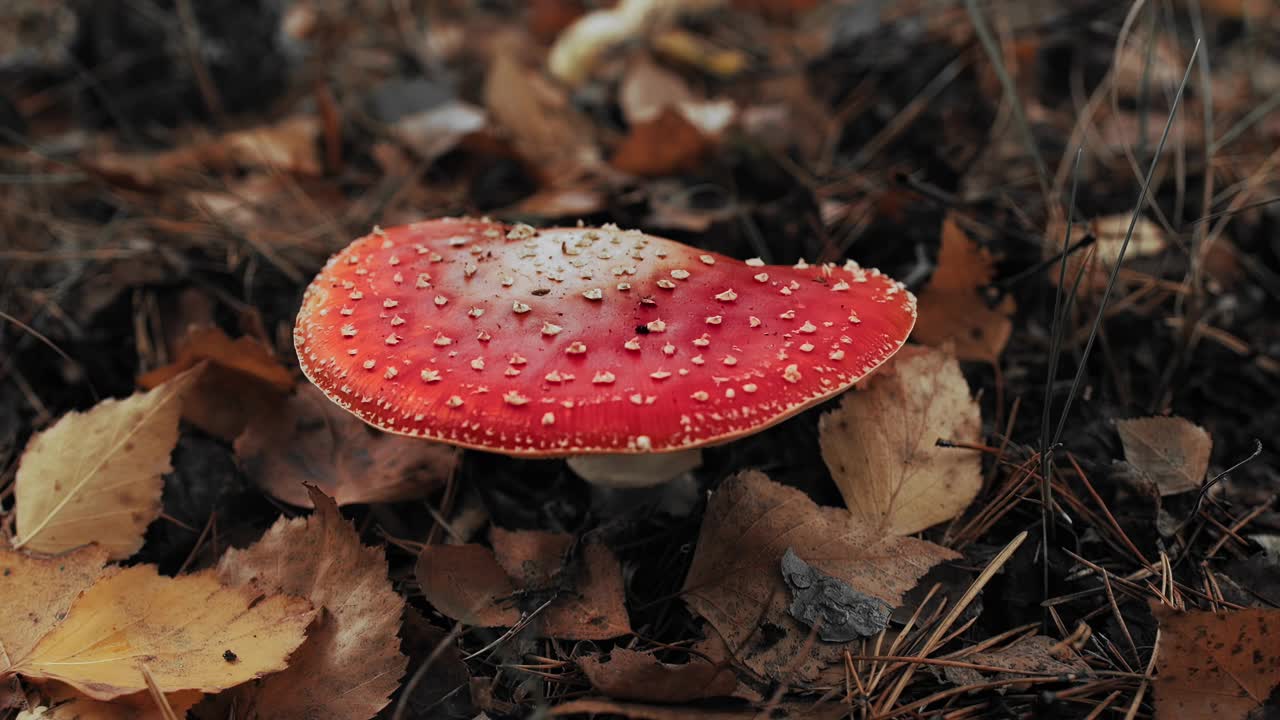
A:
(1215, 665)
(191, 632)
(665, 145)
(952, 309)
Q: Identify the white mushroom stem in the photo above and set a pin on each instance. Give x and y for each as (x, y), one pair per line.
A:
(634, 471)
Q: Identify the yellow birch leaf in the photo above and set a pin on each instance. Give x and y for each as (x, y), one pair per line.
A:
(65, 703)
(880, 445)
(96, 476)
(192, 632)
(36, 592)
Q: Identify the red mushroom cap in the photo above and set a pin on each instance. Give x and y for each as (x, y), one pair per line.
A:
(572, 341)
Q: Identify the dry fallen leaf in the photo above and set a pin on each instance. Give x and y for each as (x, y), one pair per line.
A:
(1096, 262)
(480, 587)
(287, 146)
(65, 703)
(35, 593)
(735, 582)
(785, 710)
(1215, 665)
(466, 583)
(1172, 451)
(191, 632)
(952, 309)
(1031, 654)
(545, 129)
(242, 379)
(631, 675)
(648, 88)
(309, 439)
(351, 661)
(666, 145)
(880, 444)
(96, 476)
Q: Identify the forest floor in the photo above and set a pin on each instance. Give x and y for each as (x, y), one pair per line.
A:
(1058, 501)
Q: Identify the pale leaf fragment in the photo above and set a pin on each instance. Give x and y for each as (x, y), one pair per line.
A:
(351, 661)
(96, 476)
(1172, 451)
(192, 632)
(880, 445)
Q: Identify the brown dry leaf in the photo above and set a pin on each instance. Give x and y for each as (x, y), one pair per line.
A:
(952, 308)
(309, 439)
(666, 145)
(1031, 654)
(242, 380)
(736, 584)
(477, 586)
(96, 476)
(880, 445)
(593, 610)
(35, 593)
(632, 675)
(184, 629)
(1215, 665)
(243, 355)
(1172, 451)
(65, 703)
(287, 146)
(466, 583)
(351, 661)
(595, 707)
(545, 129)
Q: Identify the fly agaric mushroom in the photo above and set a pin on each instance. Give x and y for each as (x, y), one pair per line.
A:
(584, 341)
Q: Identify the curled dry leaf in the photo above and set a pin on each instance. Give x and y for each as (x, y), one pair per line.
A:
(65, 703)
(36, 592)
(351, 661)
(952, 308)
(242, 379)
(481, 587)
(96, 476)
(1172, 451)
(192, 632)
(1215, 665)
(880, 445)
(735, 585)
(631, 675)
(311, 440)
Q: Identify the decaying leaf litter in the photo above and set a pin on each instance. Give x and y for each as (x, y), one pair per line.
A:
(193, 530)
